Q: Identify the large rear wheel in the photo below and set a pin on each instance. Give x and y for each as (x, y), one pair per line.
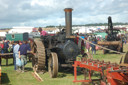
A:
(38, 60)
(53, 65)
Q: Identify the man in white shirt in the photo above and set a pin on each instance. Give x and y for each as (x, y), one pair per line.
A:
(16, 53)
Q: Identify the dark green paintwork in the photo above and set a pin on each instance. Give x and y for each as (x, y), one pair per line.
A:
(17, 36)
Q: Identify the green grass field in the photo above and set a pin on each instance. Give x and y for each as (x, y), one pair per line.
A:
(11, 77)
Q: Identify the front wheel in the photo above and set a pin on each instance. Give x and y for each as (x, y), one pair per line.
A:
(53, 65)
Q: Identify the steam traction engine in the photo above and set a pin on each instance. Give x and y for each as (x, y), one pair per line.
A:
(112, 41)
(57, 50)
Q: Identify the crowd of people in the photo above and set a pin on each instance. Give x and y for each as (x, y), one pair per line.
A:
(4, 46)
(88, 45)
(20, 55)
(19, 50)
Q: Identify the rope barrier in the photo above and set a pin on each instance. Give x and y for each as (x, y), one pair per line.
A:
(101, 46)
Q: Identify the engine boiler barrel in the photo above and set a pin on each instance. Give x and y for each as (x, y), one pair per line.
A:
(108, 43)
(68, 50)
(68, 21)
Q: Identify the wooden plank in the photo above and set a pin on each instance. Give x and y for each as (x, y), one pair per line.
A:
(122, 64)
(70, 36)
(108, 43)
(7, 54)
(37, 76)
(4, 54)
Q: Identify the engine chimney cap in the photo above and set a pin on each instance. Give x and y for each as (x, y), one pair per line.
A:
(68, 9)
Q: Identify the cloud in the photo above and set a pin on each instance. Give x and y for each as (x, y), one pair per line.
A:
(51, 12)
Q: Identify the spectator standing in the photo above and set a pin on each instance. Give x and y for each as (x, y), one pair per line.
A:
(125, 41)
(29, 49)
(87, 46)
(16, 55)
(93, 46)
(28, 46)
(23, 54)
(1, 47)
(77, 38)
(6, 46)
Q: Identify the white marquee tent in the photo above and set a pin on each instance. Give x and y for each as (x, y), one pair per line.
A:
(3, 34)
(20, 29)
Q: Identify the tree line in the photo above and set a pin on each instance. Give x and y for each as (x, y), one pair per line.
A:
(94, 24)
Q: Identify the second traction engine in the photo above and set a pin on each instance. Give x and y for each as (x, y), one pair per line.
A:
(112, 41)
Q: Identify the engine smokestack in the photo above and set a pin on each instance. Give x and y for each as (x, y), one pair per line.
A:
(68, 21)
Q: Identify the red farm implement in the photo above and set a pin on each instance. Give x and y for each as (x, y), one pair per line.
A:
(110, 73)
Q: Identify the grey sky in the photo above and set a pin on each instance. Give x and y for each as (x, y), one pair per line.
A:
(50, 12)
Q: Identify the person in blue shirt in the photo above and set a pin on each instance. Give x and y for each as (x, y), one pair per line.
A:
(23, 54)
(93, 46)
(28, 46)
